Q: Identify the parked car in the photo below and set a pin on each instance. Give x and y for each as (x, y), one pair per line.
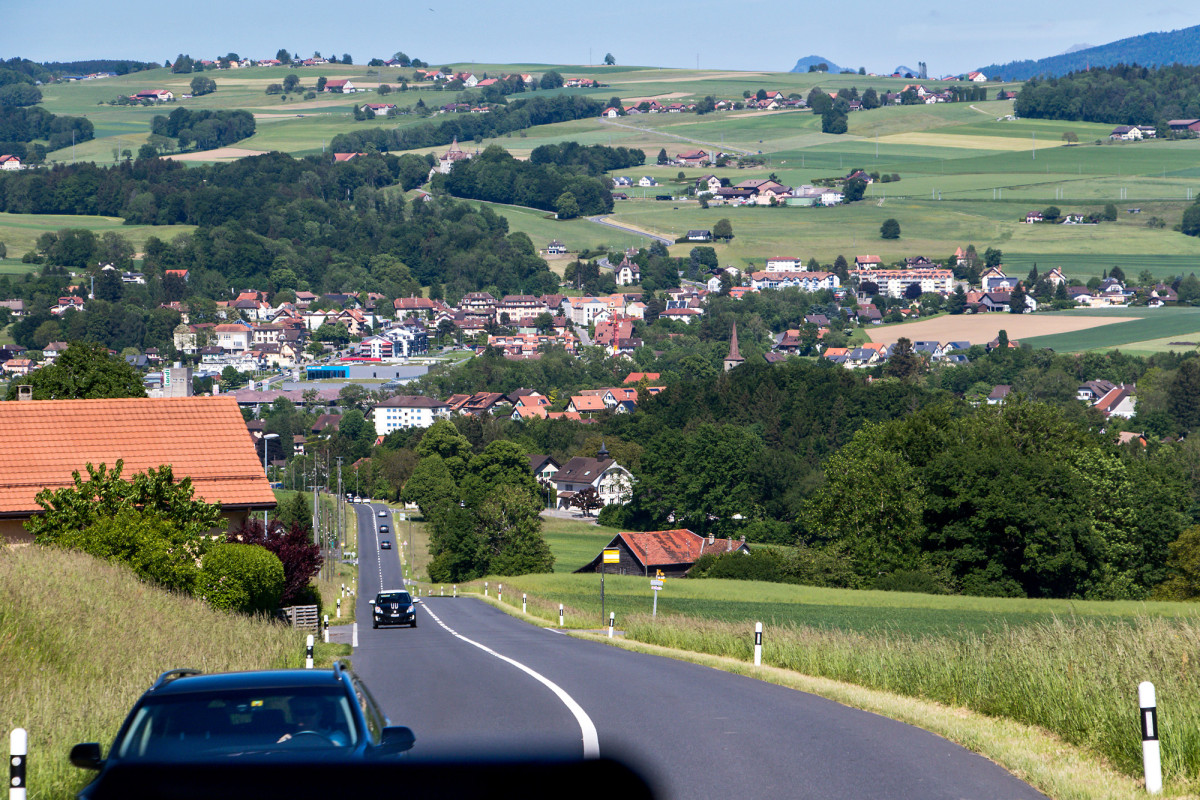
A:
(266, 717)
(394, 607)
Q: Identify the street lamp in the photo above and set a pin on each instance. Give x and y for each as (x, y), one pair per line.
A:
(266, 446)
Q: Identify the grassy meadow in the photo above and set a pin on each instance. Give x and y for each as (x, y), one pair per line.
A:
(69, 678)
(20, 233)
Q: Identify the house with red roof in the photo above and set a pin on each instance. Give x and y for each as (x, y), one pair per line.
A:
(340, 85)
(673, 552)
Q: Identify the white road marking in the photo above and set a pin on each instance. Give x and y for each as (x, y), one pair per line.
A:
(354, 636)
(591, 740)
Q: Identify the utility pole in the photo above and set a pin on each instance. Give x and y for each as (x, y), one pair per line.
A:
(340, 509)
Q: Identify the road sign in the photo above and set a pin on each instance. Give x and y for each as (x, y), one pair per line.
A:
(656, 585)
(612, 556)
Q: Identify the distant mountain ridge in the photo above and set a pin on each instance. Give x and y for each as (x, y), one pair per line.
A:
(811, 61)
(1149, 50)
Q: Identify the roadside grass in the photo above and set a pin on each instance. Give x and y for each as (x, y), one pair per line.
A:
(1067, 667)
(1034, 755)
(81, 639)
(1075, 678)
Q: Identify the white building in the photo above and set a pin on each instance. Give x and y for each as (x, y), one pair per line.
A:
(894, 282)
(407, 411)
(805, 281)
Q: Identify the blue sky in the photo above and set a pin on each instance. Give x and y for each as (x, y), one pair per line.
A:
(745, 35)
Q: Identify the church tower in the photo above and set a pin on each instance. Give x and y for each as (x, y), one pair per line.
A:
(734, 358)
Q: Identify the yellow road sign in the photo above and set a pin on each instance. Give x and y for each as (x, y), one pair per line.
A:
(612, 555)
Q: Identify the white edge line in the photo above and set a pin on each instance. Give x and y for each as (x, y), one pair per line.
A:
(591, 741)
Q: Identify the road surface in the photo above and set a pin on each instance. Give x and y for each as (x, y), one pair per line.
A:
(471, 680)
(610, 224)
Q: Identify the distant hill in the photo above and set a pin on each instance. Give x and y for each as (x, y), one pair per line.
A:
(1149, 50)
(803, 64)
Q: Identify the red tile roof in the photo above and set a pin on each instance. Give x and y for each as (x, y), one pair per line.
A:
(679, 546)
(203, 438)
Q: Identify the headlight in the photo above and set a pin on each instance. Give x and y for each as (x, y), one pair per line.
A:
(378, 610)
(410, 609)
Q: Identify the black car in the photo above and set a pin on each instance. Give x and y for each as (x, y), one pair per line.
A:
(188, 719)
(385, 544)
(384, 529)
(394, 607)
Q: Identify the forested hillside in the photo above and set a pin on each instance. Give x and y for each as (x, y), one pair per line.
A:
(1123, 94)
(1152, 49)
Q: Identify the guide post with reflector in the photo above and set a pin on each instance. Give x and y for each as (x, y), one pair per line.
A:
(758, 644)
(1151, 755)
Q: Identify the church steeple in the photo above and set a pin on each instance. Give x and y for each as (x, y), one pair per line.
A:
(734, 358)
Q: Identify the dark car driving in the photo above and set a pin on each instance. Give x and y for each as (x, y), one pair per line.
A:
(394, 607)
(263, 717)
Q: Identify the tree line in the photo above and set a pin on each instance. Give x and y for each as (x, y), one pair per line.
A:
(501, 119)
(205, 129)
(494, 175)
(1126, 93)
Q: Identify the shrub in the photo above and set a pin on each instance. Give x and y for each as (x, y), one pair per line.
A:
(909, 581)
(237, 577)
(760, 565)
(153, 547)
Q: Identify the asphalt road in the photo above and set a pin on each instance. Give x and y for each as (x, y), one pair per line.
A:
(470, 680)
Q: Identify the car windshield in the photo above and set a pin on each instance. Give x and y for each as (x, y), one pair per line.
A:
(401, 598)
(181, 727)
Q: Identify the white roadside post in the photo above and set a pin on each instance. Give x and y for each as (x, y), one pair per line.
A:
(500, 593)
(485, 588)
(1151, 757)
(612, 620)
(442, 591)
(325, 629)
(456, 590)
(523, 606)
(308, 654)
(758, 644)
(560, 615)
(339, 608)
(18, 752)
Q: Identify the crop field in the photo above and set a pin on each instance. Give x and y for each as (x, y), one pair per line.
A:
(982, 328)
(20, 232)
(829, 609)
(1161, 324)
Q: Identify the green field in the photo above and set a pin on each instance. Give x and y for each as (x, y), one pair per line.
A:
(20, 233)
(968, 172)
(1160, 324)
(574, 543)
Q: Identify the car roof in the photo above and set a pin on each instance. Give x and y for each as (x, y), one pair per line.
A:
(390, 591)
(258, 679)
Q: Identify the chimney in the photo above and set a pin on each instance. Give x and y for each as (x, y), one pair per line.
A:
(24, 392)
(712, 538)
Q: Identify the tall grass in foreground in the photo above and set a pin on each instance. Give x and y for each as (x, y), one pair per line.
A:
(81, 639)
(1075, 677)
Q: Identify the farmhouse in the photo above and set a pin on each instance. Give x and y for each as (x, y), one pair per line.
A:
(673, 552)
(340, 85)
(202, 438)
(610, 480)
(8, 162)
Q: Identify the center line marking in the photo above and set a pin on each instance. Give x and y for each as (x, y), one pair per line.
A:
(591, 740)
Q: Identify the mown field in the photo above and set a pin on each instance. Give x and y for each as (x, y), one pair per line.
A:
(20, 233)
(1163, 324)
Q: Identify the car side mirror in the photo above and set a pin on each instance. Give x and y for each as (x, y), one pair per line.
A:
(87, 756)
(396, 739)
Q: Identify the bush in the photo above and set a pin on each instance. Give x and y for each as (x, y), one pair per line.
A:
(239, 577)
(613, 516)
(151, 546)
(760, 565)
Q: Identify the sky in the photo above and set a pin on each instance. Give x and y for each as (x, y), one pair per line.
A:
(770, 35)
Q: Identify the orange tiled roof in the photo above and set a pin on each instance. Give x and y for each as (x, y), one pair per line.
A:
(203, 438)
(679, 546)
